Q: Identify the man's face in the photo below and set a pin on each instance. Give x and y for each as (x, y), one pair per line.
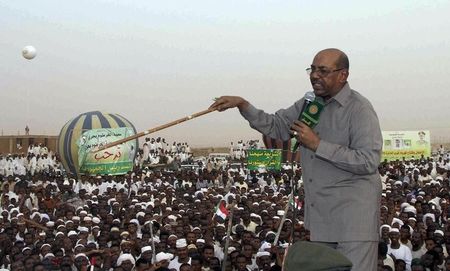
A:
(394, 236)
(127, 265)
(182, 253)
(264, 263)
(214, 263)
(429, 244)
(190, 238)
(208, 254)
(241, 263)
(325, 81)
(17, 266)
(196, 266)
(247, 251)
(416, 238)
(404, 233)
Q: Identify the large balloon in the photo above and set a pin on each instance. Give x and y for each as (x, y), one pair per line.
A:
(70, 133)
(29, 52)
(285, 146)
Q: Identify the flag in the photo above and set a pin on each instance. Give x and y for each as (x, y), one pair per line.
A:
(221, 210)
(298, 203)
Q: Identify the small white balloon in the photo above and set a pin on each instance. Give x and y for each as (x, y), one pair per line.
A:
(29, 52)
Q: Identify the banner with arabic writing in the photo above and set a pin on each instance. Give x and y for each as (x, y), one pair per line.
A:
(406, 145)
(269, 159)
(116, 160)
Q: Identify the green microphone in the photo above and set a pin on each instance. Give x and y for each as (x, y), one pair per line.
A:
(310, 113)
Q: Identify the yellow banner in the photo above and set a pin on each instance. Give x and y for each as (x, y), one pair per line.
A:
(406, 145)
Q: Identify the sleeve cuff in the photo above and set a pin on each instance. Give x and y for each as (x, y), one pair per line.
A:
(250, 113)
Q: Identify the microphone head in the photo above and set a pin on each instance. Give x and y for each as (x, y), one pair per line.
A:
(310, 96)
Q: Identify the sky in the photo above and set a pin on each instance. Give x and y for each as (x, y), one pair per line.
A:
(157, 61)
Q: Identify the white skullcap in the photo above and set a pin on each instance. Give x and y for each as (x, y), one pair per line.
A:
(200, 241)
(83, 229)
(430, 215)
(81, 255)
(163, 256)
(439, 232)
(78, 245)
(139, 214)
(396, 220)
(181, 243)
(134, 221)
(172, 217)
(394, 230)
(32, 215)
(265, 246)
(146, 248)
(404, 205)
(125, 257)
(49, 255)
(410, 209)
(46, 245)
(262, 253)
(280, 212)
(96, 220)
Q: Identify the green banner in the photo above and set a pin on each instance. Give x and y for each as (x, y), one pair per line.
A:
(116, 160)
(405, 144)
(269, 159)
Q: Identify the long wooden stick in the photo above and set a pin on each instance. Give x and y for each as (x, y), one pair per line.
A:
(34, 223)
(286, 209)
(152, 130)
(227, 241)
(153, 243)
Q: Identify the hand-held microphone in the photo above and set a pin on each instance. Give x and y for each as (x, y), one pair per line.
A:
(309, 98)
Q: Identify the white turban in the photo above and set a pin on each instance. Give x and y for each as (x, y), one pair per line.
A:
(125, 257)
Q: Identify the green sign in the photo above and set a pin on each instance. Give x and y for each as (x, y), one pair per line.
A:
(406, 144)
(264, 159)
(116, 160)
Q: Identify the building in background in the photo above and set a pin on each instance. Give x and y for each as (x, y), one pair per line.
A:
(19, 143)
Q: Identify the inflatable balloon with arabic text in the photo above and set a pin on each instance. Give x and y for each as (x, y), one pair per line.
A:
(91, 130)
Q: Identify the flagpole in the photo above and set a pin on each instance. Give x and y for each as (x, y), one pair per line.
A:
(153, 243)
(294, 206)
(227, 240)
(275, 242)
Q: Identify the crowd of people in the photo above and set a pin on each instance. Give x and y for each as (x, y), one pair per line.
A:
(38, 159)
(157, 151)
(174, 219)
(239, 149)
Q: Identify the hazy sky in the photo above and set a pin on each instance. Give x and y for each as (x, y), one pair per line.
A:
(157, 61)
